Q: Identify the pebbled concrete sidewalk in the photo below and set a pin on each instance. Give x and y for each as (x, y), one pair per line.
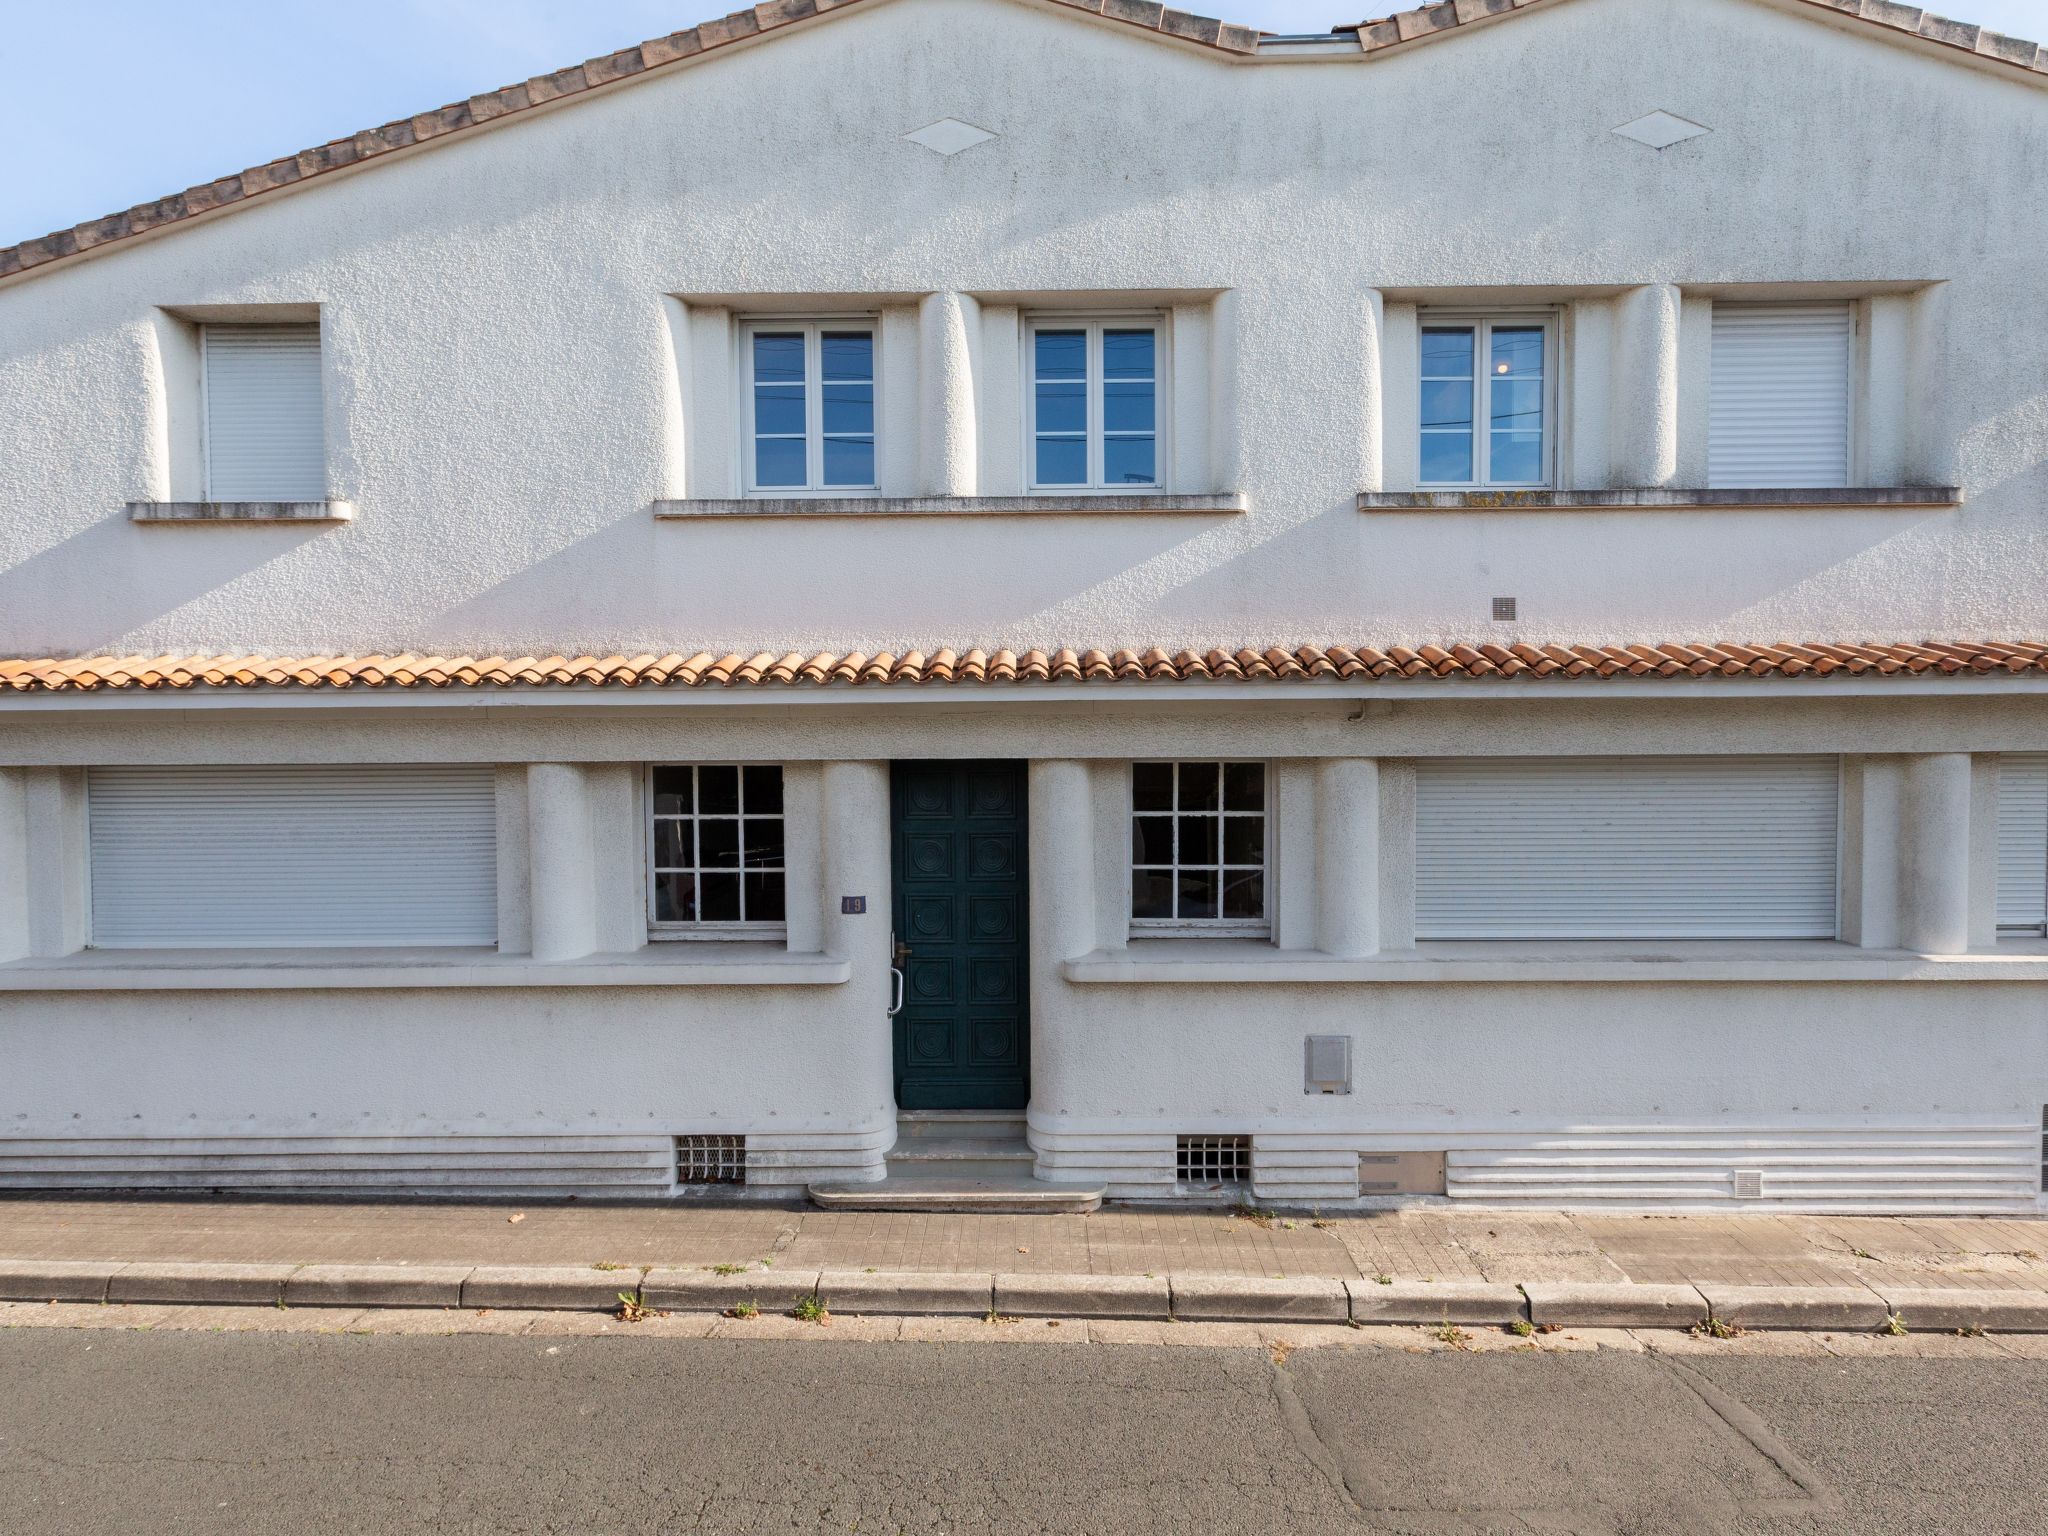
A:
(1427, 1266)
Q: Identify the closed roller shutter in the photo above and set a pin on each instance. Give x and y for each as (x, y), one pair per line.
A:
(2023, 841)
(1626, 848)
(205, 857)
(1779, 411)
(265, 439)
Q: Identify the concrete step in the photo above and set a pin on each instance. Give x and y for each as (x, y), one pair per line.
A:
(920, 1191)
(957, 1124)
(959, 1154)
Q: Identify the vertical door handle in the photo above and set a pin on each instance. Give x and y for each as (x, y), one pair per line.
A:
(896, 991)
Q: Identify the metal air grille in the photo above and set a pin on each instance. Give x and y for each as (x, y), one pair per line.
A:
(1209, 1161)
(711, 1159)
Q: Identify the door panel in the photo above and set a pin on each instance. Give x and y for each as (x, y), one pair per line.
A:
(960, 905)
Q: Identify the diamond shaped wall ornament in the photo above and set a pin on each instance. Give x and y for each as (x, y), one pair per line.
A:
(1661, 130)
(948, 136)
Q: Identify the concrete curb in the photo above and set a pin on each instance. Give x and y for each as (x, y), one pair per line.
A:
(1188, 1296)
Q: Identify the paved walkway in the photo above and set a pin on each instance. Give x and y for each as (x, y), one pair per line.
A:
(1883, 1253)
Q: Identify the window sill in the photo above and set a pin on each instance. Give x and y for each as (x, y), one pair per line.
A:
(247, 970)
(1659, 499)
(241, 511)
(1240, 961)
(1068, 504)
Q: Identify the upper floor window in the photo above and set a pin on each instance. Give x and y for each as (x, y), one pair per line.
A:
(810, 406)
(718, 867)
(2023, 842)
(1486, 402)
(264, 433)
(1778, 411)
(1095, 391)
(1198, 847)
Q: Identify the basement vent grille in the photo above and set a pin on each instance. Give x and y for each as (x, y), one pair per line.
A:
(711, 1159)
(1208, 1161)
(1749, 1183)
(1402, 1173)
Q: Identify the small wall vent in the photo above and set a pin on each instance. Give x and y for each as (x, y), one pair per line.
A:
(1749, 1183)
(1211, 1162)
(1329, 1064)
(1401, 1173)
(711, 1159)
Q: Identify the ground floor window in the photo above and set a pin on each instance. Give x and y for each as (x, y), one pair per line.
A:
(718, 865)
(1626, 848)
(1198, 847)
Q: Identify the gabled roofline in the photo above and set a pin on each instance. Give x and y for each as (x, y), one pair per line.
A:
(1375, 39)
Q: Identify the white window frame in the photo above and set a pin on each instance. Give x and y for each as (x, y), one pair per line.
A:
(1260, 927)
(1482, 324)
(701, 928)
(1094, 325)
(812, 327)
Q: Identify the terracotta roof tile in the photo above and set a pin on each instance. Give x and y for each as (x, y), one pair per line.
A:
(976, 666)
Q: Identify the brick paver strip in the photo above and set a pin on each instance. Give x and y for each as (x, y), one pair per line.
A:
(1806, 1307)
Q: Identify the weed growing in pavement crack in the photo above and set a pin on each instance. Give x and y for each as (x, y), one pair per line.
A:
(1522, 1328)
(1711, 1327)
(1894, 1325)
(632, 1310)
(727, 1269)
(1448, 1332)
(810, 1309)
(1381, 1277)
(746, 1309)
(993, 1316)
(606, 1264)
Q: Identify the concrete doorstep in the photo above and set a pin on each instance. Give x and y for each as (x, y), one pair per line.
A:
(1189, 1297)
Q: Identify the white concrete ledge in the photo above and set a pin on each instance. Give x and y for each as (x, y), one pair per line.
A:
(245, 970)
(1250, 962)
(241, 511)
(1865, 498)
(1082, 504)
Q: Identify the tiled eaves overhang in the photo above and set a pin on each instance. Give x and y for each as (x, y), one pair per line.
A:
(1375, 38)
(1333, 663)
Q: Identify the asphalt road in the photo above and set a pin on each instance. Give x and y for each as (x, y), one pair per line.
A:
(106, 1431)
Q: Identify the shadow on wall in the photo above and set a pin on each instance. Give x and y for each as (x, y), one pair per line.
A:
(91, 592)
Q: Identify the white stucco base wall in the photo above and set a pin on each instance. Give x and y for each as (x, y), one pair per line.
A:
(1878, 1096)
(545, 1090)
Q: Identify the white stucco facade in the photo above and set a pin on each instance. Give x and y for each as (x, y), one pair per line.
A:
(530, 351)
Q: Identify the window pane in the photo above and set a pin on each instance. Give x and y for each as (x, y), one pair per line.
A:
(1060, 354)
(1199, 783)
(1152, 786)
(778, 357)
(778, 410)
(672, 845)
(671, 791)
(1244, 786)
(1447, 354)
(763, 786)
(1152, 840)
(1517, 404)
(849, 461)
(1446, 456)
(1127, 354)
(675, 898)
(1062, 461)
(761, 841)
(1447, 404)
(1127, 407)
(1517, 456)
(1062, 408)
(1518, 352)
(764, 897)
(1197, 893)
(718, 844)
(1244, 840)
(850, 409)
(1198, 840)
(847, 355)
(1151, 893)
(718, 790)
(779, 461)
(720, 898)
(1129, 461)
(1244, 894)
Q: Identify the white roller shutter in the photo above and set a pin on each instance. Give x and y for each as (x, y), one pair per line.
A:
(1626, 848)
(229, 857)
(2023, 840)
(265, 437)
(1779, 411)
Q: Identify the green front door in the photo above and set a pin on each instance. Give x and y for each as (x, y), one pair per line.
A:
(959, 912)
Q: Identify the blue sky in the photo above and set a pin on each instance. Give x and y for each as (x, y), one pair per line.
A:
(182, 91)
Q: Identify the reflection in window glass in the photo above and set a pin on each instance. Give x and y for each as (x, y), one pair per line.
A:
(718, 847)
(1484, 425)
(812, 397)
(1095, 405)
(1198, 843)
